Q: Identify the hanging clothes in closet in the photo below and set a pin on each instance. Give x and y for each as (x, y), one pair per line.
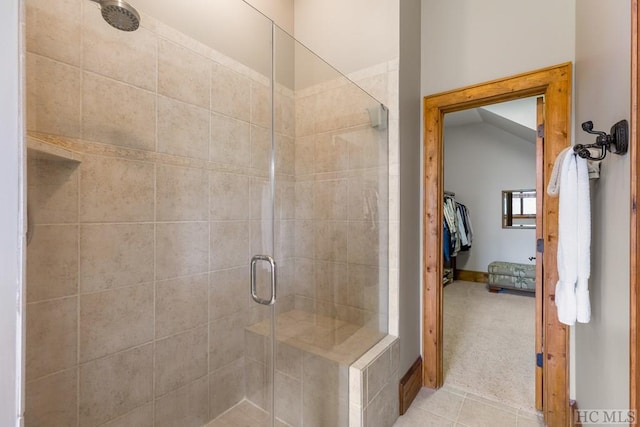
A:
(457, 233)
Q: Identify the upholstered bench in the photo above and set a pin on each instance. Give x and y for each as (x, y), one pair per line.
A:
(510, 275)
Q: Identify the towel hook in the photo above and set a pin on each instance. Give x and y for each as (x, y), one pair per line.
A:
(616, 142)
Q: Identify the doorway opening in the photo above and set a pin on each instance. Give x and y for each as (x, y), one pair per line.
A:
(489, 251)
(554, 83)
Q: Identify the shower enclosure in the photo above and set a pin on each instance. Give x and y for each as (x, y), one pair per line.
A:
(208, 206)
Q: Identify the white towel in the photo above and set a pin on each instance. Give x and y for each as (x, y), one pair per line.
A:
(583, 314)
(554, 182)
(574, 238)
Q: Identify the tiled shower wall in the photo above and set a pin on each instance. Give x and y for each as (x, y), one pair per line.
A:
(137, 274)
(341, 255)
(137, 281)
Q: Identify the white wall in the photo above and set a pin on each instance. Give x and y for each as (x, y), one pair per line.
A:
(468, 41)
(602, 93)
(11, 195)
(220, 24)
(481, 161)
(409, 262)
(350, 35)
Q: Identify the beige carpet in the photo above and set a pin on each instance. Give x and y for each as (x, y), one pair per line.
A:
(489, 343)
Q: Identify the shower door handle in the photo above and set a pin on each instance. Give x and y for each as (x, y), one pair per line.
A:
(254, 292)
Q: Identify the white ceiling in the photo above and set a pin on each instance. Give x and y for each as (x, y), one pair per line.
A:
(515, 117)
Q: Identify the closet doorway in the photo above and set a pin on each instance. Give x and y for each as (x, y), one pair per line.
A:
(554, 84)
(489, 250)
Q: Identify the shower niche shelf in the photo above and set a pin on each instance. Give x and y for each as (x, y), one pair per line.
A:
(41, 149)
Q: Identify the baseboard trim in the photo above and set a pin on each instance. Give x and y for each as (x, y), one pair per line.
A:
(472, 276)
(410, 385)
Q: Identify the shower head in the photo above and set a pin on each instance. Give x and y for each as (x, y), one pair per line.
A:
(119, 14)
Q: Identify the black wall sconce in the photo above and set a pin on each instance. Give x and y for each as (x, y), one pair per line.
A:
(617, 142)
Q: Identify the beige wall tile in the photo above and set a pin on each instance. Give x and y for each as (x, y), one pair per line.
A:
(284, 112)
(117, 113)
(226, 340)
(185, 407)
(368, 198)
(183, 74)
(230, 141)
(181, 194)
(331, 153)
(260, 105)
(365, 243)
(285, 154)
(260, 148)
(229, 292)
(183, 129)
(256, 383)
(330, 199)
(114, 190)
(305, 239)
(53, 29)
(304, 304)
(229, 244)
(180, 360)
(130, 57)
(114, 385)
(226, 387)
(304, 199)
(394, 198)
(229, 196)
(305, 151)
(255, 345)
(305, 277)
(322, 376)
(331, 240)
(305, 115)
(289, 360)
(262, 237)
(378, 374)
(230, 93)
(288, 399)
(52, 400)
(342, 107)
(285, 240)
(115, 320)
(285, 199)
(363, 287)
(139, 417)
(383, 410)
(52, 336)
(260, 199)
(182, 249)
(324, 410)
(53, 97)
(181, 304)
(331, 281)
(52, 262)
(52, 191)
(114, 255)
(367, 148)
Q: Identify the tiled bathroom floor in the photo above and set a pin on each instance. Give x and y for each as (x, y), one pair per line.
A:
(449, 406)
(244, 414)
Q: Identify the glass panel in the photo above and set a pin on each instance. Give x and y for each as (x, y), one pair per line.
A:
(147, 264)
(331, 231)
